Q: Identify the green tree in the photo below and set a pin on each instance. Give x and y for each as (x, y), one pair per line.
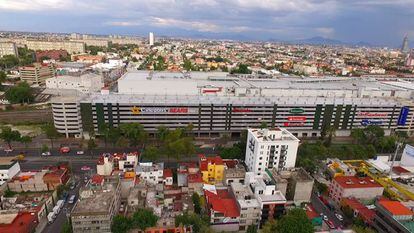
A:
(358, 136)
(187, 65)
(67, 227)
(45, 148)
(50, 131)
(143, 219)
(110, 134)
(361, 229)
(196, 202)
(122, 142)
(25, 140)
(120, 224)
(135, 133)
(251, 229)
(8, 61)
(3, 77)
(199, 223)
(21, 93)
(91, 146)
(289, 222)
(241, 69)
(150, 153)
(44, 58)
(263, 125)
(8, 135)
(162, 133)
(270, 227)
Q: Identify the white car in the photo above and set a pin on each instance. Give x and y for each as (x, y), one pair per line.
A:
(46, 153)
(325, 218)
(80, 152)
(338, 216)
(8, 150)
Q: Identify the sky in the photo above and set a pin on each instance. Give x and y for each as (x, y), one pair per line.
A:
(379, 22)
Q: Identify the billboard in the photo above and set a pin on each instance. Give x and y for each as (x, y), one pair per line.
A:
(407, 158)
(366, 122)
(402, 119)
(154, 110)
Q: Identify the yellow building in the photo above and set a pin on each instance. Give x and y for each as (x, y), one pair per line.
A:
(212, 169)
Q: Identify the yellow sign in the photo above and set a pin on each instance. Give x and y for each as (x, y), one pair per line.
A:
(135, 110)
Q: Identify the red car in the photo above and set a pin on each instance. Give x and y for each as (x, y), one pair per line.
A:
(64, 150)
(330, 224)
(85, 168)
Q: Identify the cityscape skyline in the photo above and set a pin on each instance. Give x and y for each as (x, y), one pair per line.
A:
(380, 23)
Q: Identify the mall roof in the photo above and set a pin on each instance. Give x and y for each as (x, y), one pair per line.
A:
(211, 99)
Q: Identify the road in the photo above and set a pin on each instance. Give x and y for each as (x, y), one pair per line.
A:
(57, 224)
(320, 207)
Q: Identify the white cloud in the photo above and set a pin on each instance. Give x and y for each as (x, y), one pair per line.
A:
(194, 25)
(326, 31)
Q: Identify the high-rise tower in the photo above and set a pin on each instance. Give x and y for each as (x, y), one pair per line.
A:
(404, 47)
(151, 38)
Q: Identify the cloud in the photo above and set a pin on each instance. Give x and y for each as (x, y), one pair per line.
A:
(195, 25)
(326, 31)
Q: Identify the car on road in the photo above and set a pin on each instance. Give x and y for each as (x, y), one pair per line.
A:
(72, 199)
(85, 168)
(80, 152)
(330, 224)
(46, 153)
(325, 218)
(64, 149)
(8, 149)
(72, 186)
(338, 216)
(65, 196)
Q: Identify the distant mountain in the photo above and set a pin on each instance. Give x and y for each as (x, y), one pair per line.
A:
(319, 40)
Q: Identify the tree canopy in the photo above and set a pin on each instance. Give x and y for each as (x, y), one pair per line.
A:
(141, 219)
(241, 69)
(8, 135)
(21, 93)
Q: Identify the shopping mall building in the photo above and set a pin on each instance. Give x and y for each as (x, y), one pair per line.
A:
(217, 103)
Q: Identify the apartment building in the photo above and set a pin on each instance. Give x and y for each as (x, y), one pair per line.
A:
(393, 217)
(37, 73)
(351, 186)
(152, 173)
(86, 83)
(212, 169)
(70, 46)
(249, 206)
(8, 48)
(9, 167)
(270, 148)
(98, 204)
(295, 184)
(272, 202)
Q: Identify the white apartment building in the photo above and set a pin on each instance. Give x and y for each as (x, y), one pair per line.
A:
(8, 169)
(150, 172)
(8, 48)
(270, 148)
(70, 46)
(86, 83)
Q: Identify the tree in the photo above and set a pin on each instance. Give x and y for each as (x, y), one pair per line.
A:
(358, 135)
(196, 201)
(8, 135)
(45, 148)
(199, 223)
(8, 61)
(187, 65)
(135, 133)
(263, 125)
(289, 222)
(270, 227)
(91, 146)
(150, 153)
(122, 142)
(143, 219)
(67, 227)
(3, 77)
(44, 58)
(251, 229)
(241, 69)
(25, 140)
(162, 133)
(50, 131)
(331, 132)
(110, 134)
(120, 224)
(21, 93)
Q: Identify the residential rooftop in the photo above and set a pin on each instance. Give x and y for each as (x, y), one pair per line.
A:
(356, 182)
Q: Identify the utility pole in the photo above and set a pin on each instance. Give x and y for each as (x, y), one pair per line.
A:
(399, 144)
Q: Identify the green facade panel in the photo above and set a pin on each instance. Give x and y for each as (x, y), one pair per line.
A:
(317, 118)
(87, 119)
